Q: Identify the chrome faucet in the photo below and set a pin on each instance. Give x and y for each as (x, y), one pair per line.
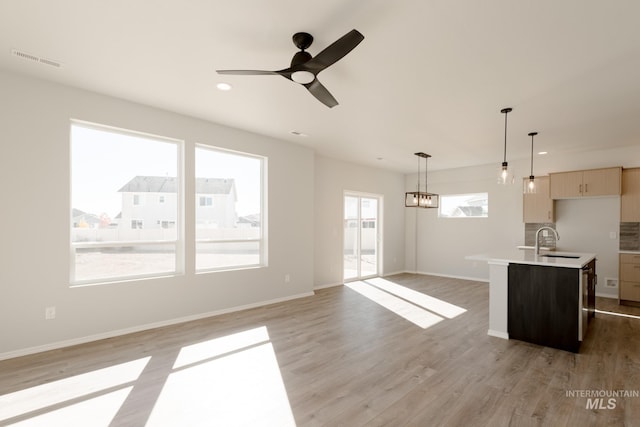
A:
(555, 233)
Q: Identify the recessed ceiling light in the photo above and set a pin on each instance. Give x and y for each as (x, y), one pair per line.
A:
(542, 153)
(224, 86)
(296, 133)
(379, 158)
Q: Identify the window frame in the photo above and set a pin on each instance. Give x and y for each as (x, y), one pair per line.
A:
(443, 203)
(261, 240)
(178, 243)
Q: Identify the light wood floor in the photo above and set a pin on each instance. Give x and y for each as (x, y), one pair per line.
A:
(337, 358)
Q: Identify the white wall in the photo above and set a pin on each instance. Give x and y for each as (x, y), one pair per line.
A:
(332, 179)
(305, 238)
(443, 243)
(584, 225)
(34, 224)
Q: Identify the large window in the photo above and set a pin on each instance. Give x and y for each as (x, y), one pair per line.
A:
(229, 209)
(116, 233)
(474, 205)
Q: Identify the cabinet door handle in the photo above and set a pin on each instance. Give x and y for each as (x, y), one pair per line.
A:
(548, 214)
(586, 188)
(580, 188)
(636, 266)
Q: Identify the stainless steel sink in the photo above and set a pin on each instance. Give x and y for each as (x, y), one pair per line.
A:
(561, 256)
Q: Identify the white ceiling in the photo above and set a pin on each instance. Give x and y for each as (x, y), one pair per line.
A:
(429, 76)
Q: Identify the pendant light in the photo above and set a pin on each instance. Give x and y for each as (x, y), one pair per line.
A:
(531, 184)
(505, 176)
(421, 199)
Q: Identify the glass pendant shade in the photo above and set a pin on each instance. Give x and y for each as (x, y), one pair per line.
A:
(421, 199)
(530, 186)
(505, 176)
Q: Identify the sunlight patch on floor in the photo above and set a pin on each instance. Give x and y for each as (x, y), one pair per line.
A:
(218, 346)
(95, 412)
(411, 312)
(430, 303)
(81, 397)
(242, 387)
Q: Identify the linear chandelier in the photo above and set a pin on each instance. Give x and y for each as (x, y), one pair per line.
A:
(421, 199)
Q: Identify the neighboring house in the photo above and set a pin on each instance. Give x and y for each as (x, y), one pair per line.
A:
(81, 219)
(150, 202)
(252, 220)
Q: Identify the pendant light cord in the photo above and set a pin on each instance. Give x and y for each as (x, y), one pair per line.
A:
(531, 156)
(505, 136)
(418, 176)
(426, 187)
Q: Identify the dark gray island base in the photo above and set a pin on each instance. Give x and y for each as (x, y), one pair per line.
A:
(550, 305)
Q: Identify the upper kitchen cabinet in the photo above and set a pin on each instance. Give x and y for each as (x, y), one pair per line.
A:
(630, 198)
(586, 183)
(538, 206)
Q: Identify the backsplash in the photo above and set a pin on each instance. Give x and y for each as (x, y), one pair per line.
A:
(630, 236)
(548, 241)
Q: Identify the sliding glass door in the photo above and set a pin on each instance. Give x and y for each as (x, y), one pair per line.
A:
(361, 236)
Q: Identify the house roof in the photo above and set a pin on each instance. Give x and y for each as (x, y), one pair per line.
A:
(167, 184)
(79, 215)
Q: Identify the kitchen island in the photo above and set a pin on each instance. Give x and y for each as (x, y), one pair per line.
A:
(546, 299)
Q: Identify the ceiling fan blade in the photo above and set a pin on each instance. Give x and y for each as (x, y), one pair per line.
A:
(246, 72)
(321, 93)
(334, 52)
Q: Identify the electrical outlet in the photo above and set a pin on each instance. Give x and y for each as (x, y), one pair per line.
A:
(287, 278)
(50, 313)
(610, 283)
(612, 234)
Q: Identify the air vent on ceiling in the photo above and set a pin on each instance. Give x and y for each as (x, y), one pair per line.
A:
(34, 58)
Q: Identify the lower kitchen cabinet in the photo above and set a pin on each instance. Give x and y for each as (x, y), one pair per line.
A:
(544, 305)
(629, 289)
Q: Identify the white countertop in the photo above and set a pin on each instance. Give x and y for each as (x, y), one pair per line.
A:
(518, 256)
(624, 251)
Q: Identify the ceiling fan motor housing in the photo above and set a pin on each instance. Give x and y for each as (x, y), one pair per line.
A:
(302, 40)
(300, 58)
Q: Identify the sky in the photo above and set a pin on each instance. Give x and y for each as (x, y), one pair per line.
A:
(102, 162)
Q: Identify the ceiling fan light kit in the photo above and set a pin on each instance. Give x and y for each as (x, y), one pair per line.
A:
(304, 68)
(302, 77)
(421, 199)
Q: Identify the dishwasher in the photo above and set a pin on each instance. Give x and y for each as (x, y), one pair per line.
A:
(587, 299)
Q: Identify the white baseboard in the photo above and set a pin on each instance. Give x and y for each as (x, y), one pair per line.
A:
(451, 276)
(331, 285)
(598, 294)
(154, 325)
(393, 273)
(425, 273)
(328, 285)
(498, 334)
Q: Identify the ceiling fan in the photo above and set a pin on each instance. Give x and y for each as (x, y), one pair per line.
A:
(304, 68)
